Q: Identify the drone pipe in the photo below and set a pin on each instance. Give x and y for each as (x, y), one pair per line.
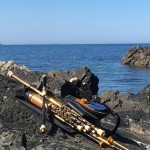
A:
(11, 74)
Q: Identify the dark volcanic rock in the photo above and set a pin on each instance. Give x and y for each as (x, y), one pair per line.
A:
(19, 126)
(134, 111)
(137, 56)
(80, 82)
(134, 106)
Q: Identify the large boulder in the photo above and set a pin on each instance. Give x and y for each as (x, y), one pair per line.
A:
(80, 82)
(137, 56)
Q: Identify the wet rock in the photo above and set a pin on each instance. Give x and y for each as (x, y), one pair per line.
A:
(137, 56)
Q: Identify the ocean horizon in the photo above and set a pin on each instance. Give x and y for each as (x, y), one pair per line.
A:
(28, 44)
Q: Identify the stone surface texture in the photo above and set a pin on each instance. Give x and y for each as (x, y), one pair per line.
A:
(19, 126)
(137, 56)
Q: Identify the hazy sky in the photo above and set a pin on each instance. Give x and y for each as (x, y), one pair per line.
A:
(74, 21)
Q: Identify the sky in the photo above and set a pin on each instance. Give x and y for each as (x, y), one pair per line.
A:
(74, 21)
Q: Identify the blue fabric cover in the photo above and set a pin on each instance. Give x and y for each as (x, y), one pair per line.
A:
(97, 106)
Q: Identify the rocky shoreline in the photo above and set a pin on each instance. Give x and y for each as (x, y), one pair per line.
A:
(19, 126)
(137, 56)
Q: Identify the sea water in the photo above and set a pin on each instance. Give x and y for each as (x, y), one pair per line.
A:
(104, 60)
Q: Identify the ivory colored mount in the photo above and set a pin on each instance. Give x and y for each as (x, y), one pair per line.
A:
(42, 128)
(87, 128)
(10, 73)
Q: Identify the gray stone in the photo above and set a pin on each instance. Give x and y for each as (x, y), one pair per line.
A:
(137, 56)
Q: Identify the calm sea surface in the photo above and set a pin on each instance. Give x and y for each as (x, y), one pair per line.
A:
(103, 61)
